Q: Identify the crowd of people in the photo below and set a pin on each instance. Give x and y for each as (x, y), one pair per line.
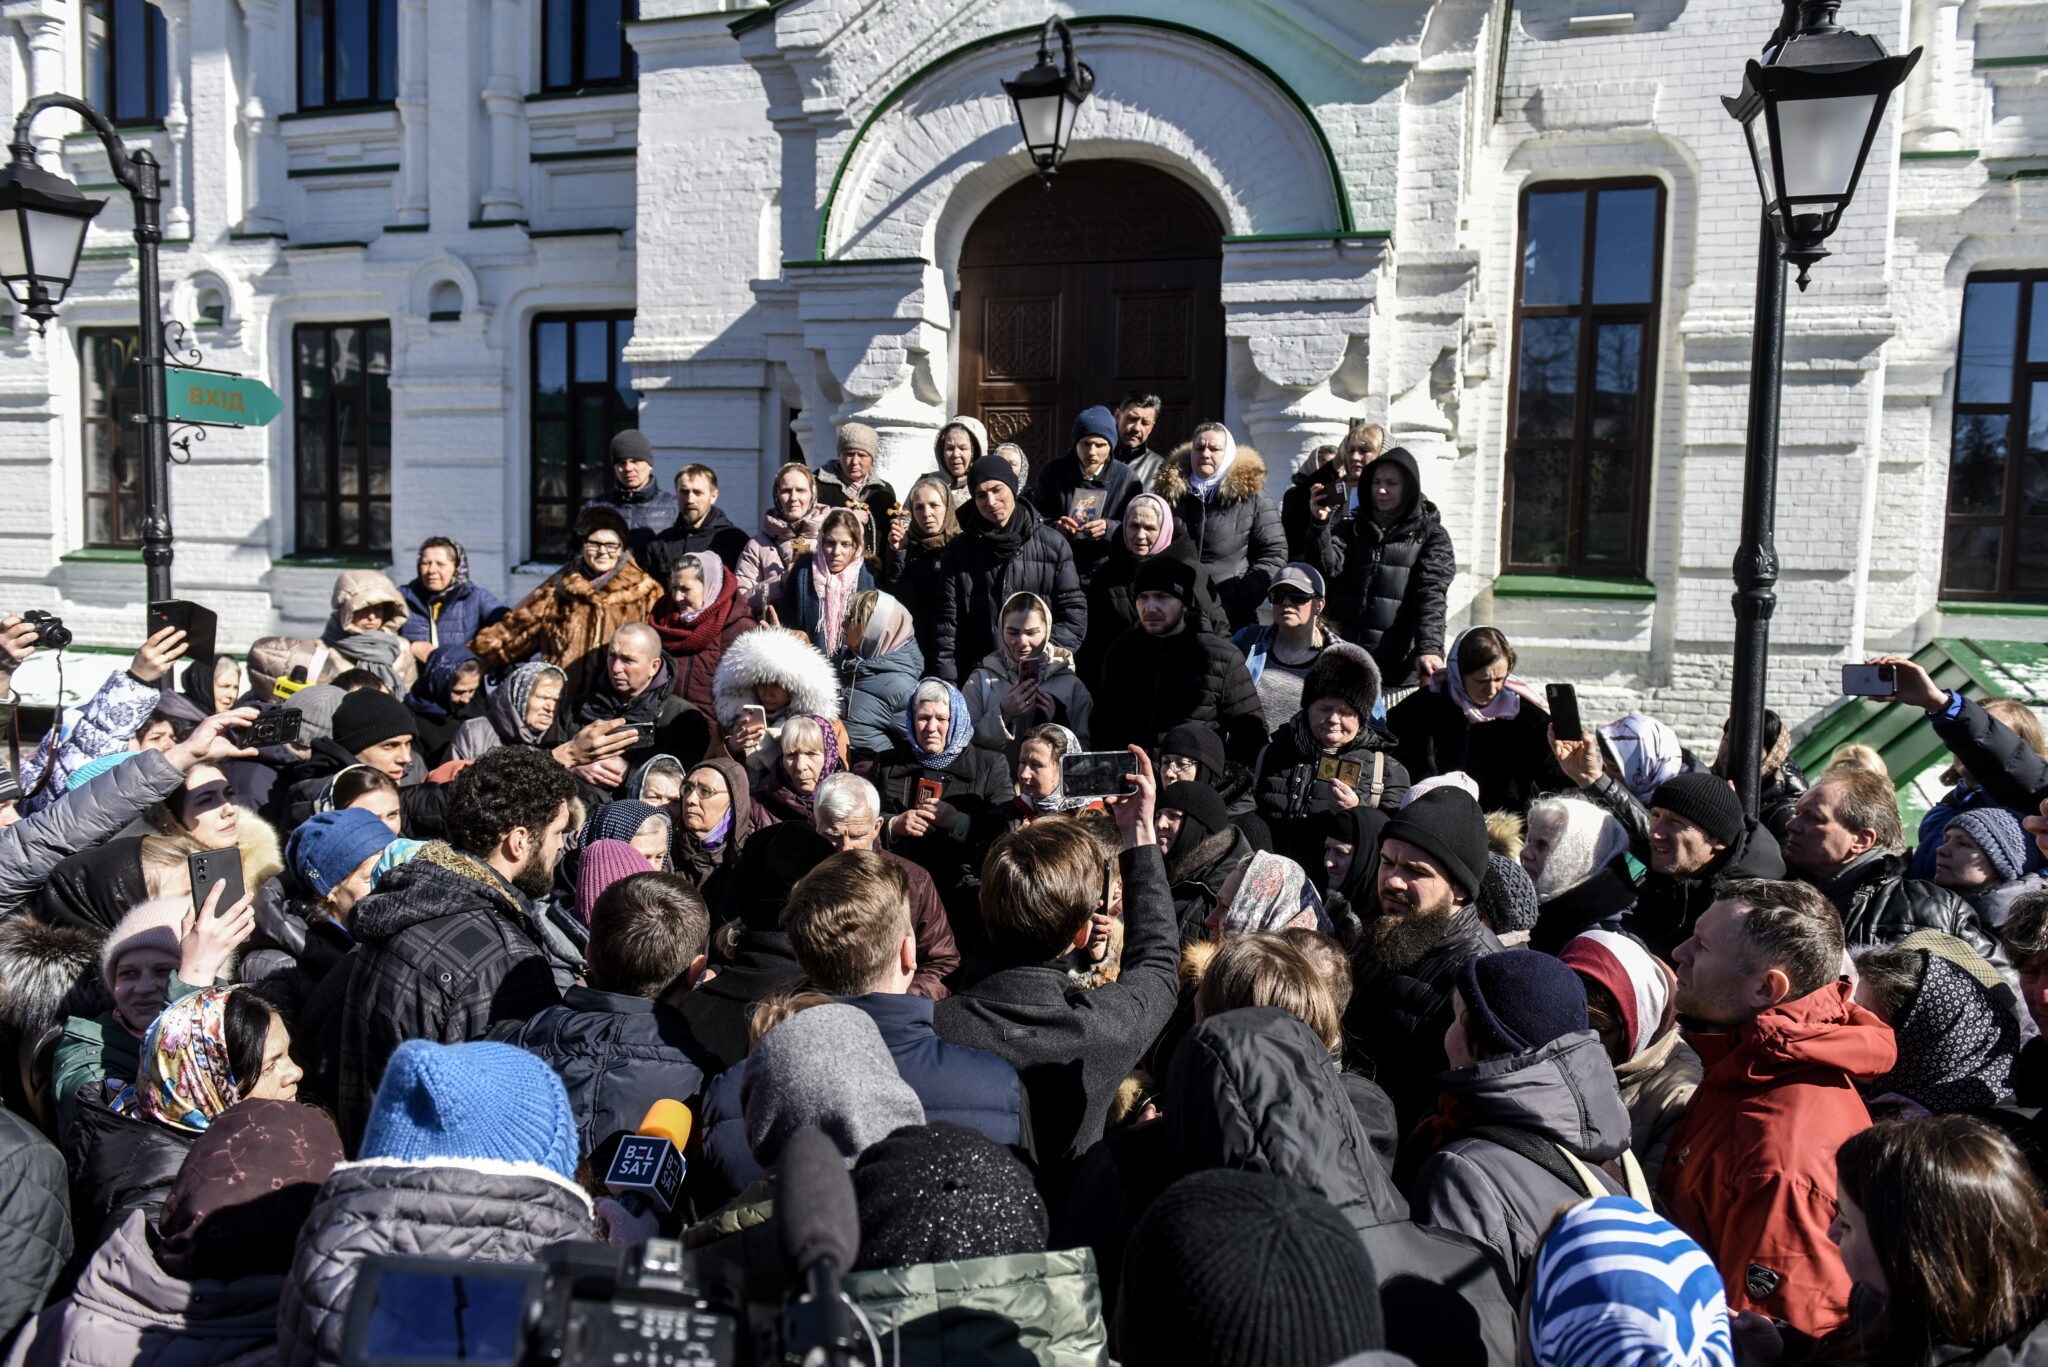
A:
(1371, 1021)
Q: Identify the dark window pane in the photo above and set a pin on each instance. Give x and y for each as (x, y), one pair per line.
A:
(558, 23)
(601, 40)
(593, 447)
(1991, 310)
(1549, 377)
(622, 336)
(312, 48)
(1972, 564)
(2037, 325)
(1976, 469)
(352, 56)
(1617, 380)
(99, 522)
(1610, 506)
(96, 51)
(1542, 493)
(1624, 246)
(351, 523)
(387, 49)
(380, 524)
(2034, 463)
(1553, 248)
(593, 351)
(131, 74)
(2030, 558)
(551, 370)
(160, 65)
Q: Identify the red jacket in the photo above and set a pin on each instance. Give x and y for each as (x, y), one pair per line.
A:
(1751, 1169)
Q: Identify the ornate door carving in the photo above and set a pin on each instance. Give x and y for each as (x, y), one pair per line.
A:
(1109, 282)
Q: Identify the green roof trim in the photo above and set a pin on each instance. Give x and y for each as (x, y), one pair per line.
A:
(586, 154)
(1347, 225)
(2032, 59)
(1983, 609)
(103, 555)
(847, 261)
(1573, 586)
(368, 168)
(1961, 154)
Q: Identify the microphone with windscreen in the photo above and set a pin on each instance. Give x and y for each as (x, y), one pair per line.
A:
(819, 1222)
(646, 1174)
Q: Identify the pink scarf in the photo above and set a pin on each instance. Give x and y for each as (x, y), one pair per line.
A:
(1506, 704)
(835, 591)
(1165, 511)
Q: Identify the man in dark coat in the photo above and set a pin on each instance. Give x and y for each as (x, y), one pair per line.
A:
(1389, 564)
(1041, 887)
(1004, 548)
(636, 495)
(633, 685)
(1084, 492)
(1166, 672)
(1846, 840)
(1432, 864)
(1696, 837)
(449, 944)
(1136, 416)
(700, 525)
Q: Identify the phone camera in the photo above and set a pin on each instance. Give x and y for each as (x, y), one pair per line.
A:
(51, 633)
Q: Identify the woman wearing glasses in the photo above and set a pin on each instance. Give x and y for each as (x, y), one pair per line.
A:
(578, 607)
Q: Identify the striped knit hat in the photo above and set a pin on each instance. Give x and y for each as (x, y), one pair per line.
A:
(1616, 1286)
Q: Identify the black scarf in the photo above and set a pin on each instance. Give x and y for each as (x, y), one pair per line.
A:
(1005, 541)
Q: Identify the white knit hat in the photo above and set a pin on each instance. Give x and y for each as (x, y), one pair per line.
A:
(154, 924)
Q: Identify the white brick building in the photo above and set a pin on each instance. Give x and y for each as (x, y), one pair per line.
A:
(788, 205)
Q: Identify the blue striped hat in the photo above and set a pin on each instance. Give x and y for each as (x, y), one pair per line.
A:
(1618, 1286)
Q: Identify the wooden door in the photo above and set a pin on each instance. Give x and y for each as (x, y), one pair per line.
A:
(1111, 281)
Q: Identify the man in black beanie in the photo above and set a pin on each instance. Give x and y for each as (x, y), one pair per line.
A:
(1168, 672)
(1239, 1269)
(373, 728)
(1004, 549)
(1202, 850)
(1433, 863)
(1697, 837)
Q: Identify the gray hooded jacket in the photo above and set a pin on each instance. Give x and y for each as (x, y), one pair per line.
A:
(83, 817)
(1563, 1093)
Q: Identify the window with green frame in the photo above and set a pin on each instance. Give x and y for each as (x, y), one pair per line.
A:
(341, 415)
(111, 389)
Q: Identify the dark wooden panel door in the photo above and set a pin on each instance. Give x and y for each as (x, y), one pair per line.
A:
(1110, 282)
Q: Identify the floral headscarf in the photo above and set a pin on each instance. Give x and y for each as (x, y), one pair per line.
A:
(959, 726)
(1165, 511)
(1647, 750)
(396, 853)
(1273, 895)
(184, 1080)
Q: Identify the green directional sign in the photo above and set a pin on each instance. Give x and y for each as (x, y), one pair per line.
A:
(215, 397)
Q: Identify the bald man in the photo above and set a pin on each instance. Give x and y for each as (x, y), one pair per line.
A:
(633, 688)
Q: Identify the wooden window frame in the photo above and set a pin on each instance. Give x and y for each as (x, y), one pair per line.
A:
(537, 538)
(325, 415)
(383, 30)
(125, 433)
(155, 80)
(1589, 316)
(2017, 412)
(579, 57)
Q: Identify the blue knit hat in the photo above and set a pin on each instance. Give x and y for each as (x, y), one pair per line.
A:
(465, 1102)
(1094, 422)
(93, 768)
(329, 846)
(1520, 999)
(1998, 833)
(1615, 1283)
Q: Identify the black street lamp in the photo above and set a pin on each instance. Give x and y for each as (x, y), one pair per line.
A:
(1810, 110)
(1048, 98)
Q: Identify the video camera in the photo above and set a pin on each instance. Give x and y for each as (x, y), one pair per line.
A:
(650, 1305)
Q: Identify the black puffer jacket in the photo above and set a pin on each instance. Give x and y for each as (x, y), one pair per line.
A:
(716, 1011)
(977, 785)
(617, 1055)
(1388, 584)
(291, 952)
(1292, 800)
(119, 1164)
(1255, 1090)
(1113, 605)
(1236, 535)
(1395, 1024)
(1155, 683)
(975, 580)
(490, 1212)
(1881, 906)
(35, 1220)
(1666, 907)
(1509, 758)
(448, 950)
(913, 576)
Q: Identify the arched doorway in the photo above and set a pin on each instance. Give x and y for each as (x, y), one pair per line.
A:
(1110, 281)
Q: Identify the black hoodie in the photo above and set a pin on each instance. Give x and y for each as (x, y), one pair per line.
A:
(1387, 584)
(717, 534)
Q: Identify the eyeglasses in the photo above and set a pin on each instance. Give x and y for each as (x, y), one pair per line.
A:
(1174, 766)
(701, 792)
(1287, 598)
(604, 547)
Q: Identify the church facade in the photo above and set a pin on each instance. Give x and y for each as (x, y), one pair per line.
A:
(467, 241)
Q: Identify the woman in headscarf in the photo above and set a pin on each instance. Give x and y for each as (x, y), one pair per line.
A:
(879, 665)
(647, 828)
(701, 614)
(658, 782)
(719, 813)
(1148, 529)
(1217, 490)
(207, 1275)
(211, 683)
(1331, 754)
(442, 606)
(788, 536)
(1351, 867)
(805, 753)
(1481, 718)
(369, 614)
(524, 709)
(1041, 788)
(203, 1053)
(1267, 893)
(816, 594)
(1632, 1003)
(938, 793)
(1026, 680)
(1957, 1045)
(911, 566)
(570, 618)
(445, 697)
(960, 443)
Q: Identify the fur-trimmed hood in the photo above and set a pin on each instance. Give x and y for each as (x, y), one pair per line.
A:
(1245, 478)
(773, 655)
(45, 972)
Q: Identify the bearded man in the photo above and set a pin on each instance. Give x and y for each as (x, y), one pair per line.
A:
(1433, 858)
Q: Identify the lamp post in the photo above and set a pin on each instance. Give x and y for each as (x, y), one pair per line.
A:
(43, 218)
(1047, 99)
(1809, 109)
